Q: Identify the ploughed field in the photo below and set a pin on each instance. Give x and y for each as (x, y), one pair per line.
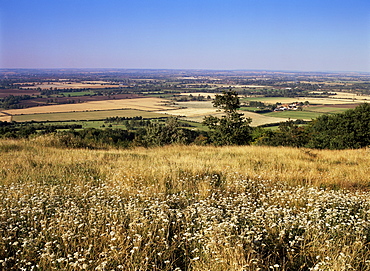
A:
(183, 208)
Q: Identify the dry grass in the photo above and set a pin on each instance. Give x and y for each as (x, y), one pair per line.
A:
(183, 208)
(321, 168)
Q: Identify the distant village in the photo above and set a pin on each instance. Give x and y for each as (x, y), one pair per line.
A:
(292, 106)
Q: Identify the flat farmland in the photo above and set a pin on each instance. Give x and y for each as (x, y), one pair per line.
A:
(90, 115)
(334, 108)
(74, 99)
(347, 95)
(194, 110)
(312, 111)
(5, 117)
(304, 115)
(70, 85)
(287, 100)
(147, 104)
(197, 111)
(260, 119)
(193, 114)
(17, 92)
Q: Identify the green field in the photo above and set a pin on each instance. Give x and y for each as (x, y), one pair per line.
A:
(250, 109)
(76, 93)
(308, 113)
(270, 100)
(90, 115)
(97, 124)
(325, 109)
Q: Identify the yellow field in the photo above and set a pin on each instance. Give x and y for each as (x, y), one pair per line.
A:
(346, 95)
(87, 115)
(196, 111)
(193, 114)
(147, 104)
(258, 119)
(4, 117)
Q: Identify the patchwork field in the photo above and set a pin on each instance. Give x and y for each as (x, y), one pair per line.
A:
(193, 114)
(196, 111)
(260, 119)
(286, 100)
(147, 104)
(90, 115)
(73, 98)
(304, 115)
(312, 111)
(69, 85)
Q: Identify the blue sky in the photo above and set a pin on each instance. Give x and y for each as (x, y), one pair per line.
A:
(301, 35)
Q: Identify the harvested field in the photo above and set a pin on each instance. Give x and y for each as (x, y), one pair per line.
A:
(74, 100)
(147, 104)
(91, 115)
(347, 95)
(193, 114)
(5, 117)
(196, 111)
(259, 119)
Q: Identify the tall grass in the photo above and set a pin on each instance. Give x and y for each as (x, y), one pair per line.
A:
(183, 208)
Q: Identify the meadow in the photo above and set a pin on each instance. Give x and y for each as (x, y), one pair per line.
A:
(183, 208)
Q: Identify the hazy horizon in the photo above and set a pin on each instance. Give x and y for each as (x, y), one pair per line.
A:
(296, 36)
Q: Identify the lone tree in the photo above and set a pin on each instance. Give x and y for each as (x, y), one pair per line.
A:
(232, 128)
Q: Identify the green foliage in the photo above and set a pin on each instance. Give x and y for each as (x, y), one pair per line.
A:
(350, 129)
(158, 134)
(232, 128)
(12, 102)
(93, 138)
(288, 134)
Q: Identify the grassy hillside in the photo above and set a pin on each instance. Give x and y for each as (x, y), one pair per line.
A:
(183, 208)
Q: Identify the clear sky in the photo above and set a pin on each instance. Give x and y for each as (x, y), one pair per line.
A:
(301, 35)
